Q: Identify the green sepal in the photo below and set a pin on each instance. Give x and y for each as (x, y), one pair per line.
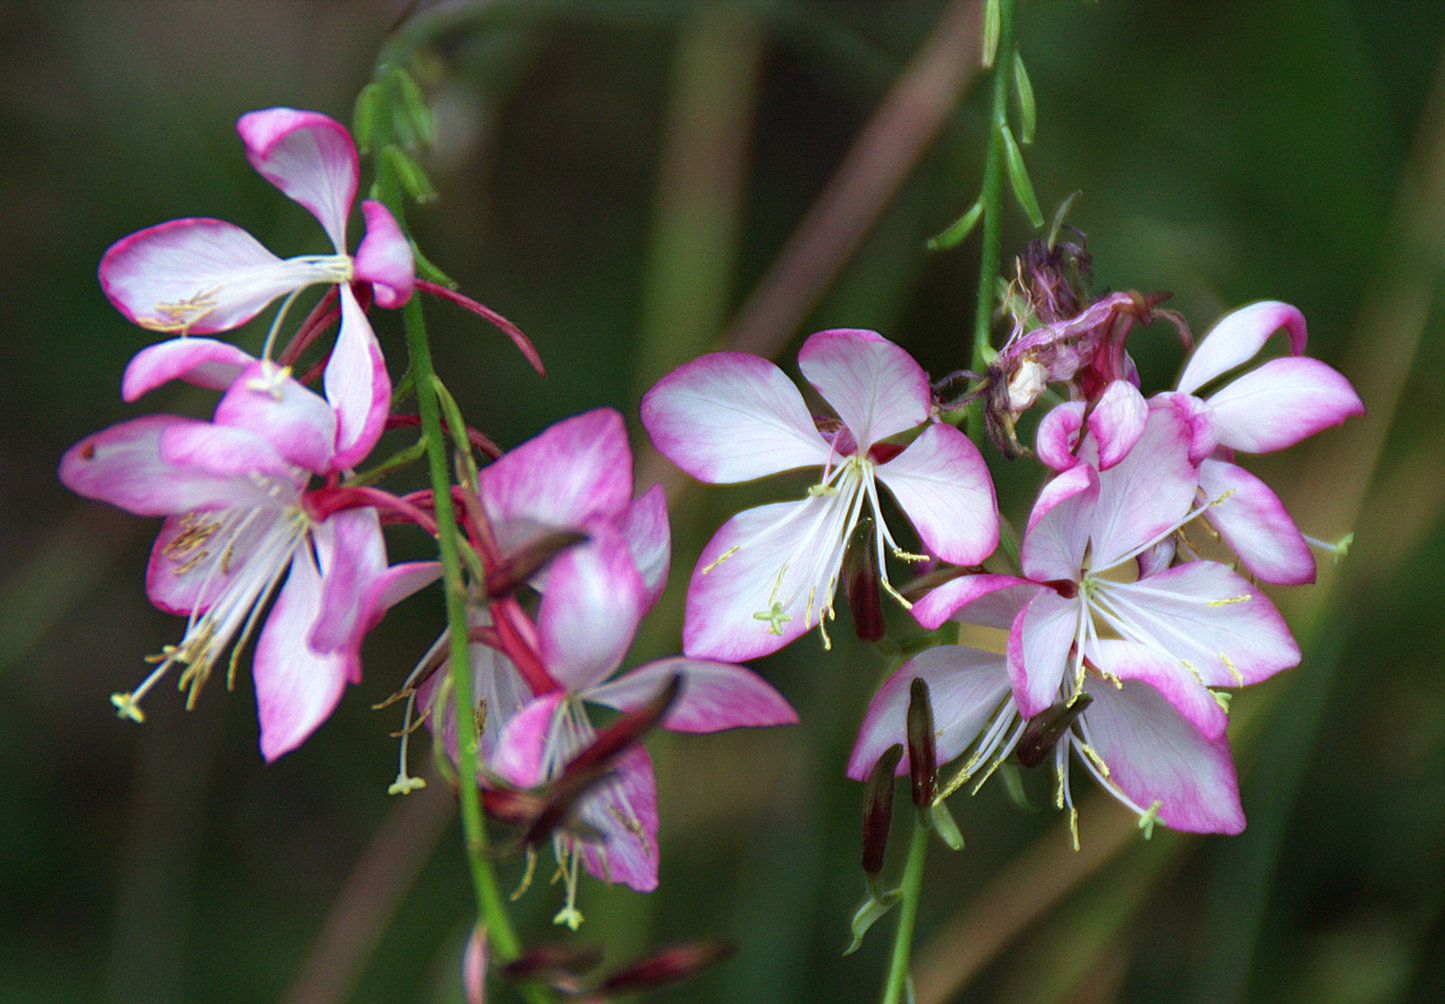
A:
(957, 230)
(1013, 783)
(414, 119)
(1018, 177)
(408, 173)
(425, 269)
(368, 115)
(874, 907)
(992, 27)
(945, 827)
(1028, 111)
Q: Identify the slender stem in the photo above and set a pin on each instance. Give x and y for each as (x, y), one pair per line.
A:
(501, 935)
(907, 914)
(992, 198)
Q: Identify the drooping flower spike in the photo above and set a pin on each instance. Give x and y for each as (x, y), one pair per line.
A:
(239, 519)
(201, 276)
(769, 574)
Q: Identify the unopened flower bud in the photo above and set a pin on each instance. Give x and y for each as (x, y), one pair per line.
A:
(922, 745)
(668, 965)
(860, 583)
(1047, 727)
(878, 809)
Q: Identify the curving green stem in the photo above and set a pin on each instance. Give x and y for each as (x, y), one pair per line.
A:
(501, 935)
(907, 914)
(992, 201)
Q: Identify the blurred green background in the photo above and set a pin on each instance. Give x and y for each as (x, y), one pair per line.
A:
(620, 179)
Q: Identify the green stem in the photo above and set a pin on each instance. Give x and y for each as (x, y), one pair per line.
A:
(501, 935)
(907, 914)
(992, 199)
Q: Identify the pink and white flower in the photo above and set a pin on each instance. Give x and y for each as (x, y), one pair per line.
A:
(594, 600)
(199, 276)
(239, 519)
(577, 476)
(1274, 405)
(1099, 598)
(769, 574)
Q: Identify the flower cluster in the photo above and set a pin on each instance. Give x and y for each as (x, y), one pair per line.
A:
(270, 531)
(1122, 637)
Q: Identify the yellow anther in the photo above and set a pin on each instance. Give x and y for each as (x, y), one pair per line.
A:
(1230, 600)
(721, 558)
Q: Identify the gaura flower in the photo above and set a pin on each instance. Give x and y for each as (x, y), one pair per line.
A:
(1275, 405)
(239, 518)
(574, 476)
(593, 602)
(1132, 740)
(1104, 602)
(769, 574)
(200, 276)
(577, 476)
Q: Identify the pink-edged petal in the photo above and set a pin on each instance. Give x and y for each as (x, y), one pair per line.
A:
(730, 416)
(1058, 434)
(1218, 627)
(967, 688)
(1154, 755)
(353, 555)
(1147, 493)
(197, 276)
(589, 612)
(943, 486)
(987, 599)
(714, 696)
(1204, 439)
(201, 555)
(1253, 522)
(296, 687)
(384, 257)
(1129, 660)
(788, 554)
(238, 454)
(1038, 650)
(1236, 339)
(1280, 403)
(202, 362)
(520, 756)
(572, 475)
(623, 809)
(1058, 529)
(123, 465)
(265, 401)
(357, 385)
(645, 528)
(1117, 422)
(308, 156)
(877, 388)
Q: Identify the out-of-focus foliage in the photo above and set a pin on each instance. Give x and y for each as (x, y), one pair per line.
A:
(1226, 151)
